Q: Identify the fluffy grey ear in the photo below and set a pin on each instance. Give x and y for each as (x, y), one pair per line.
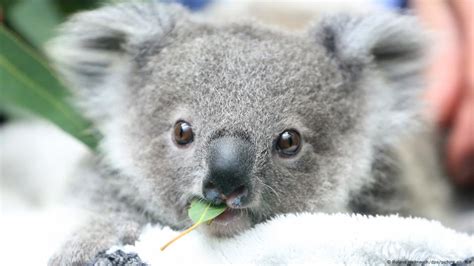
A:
(384, 53)
(95, 50)
(394, 43)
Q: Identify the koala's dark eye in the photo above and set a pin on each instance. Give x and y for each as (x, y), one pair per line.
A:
(183, 133)
(288, 143)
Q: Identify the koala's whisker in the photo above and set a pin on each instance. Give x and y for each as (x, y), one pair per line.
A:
(270, 188)
(244, 212)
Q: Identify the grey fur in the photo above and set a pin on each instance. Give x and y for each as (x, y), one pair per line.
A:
(349, 86)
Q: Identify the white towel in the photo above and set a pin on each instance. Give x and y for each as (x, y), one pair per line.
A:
(314, 238)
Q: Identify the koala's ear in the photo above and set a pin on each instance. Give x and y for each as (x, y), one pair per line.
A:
(385, 49)
(394, 43)
(94, 50)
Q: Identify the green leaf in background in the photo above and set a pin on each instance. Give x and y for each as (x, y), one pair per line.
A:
(27, 82)
(68, 7)
(201, 211)
(5, 4)
(35, 19)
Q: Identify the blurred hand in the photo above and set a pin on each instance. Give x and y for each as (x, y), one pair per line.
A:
(450, 92)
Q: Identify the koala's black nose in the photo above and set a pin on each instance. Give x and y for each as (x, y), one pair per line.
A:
(230, 164)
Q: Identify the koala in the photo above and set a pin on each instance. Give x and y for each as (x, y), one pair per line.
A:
(263, 120)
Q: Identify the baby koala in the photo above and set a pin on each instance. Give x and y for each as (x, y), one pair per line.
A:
(266, 121)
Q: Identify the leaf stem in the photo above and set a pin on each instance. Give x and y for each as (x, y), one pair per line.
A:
(187, 231)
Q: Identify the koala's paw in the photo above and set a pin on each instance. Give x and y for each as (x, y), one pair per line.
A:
(117, 258)
(76, 254)
(97, 236)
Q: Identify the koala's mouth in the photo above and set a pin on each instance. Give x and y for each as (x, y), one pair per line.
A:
(231, 222)
(228, 216)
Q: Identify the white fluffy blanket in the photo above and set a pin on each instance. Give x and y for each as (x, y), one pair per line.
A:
(314, 238)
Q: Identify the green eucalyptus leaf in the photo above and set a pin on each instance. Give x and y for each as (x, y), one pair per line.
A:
(68, 7)
(201, 211)
(35, 20)
(27, 83)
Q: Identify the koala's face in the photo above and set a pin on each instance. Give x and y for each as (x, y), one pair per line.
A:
(264, 121)
(249, 118)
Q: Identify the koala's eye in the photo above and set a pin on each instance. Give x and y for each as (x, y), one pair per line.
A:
(288, 143)
(183, 133)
